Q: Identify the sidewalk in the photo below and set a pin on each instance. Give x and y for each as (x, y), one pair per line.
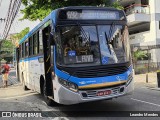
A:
(14, 88)
(152, 80)
(13, 91)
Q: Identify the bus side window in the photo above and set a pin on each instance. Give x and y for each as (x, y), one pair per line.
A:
(37, 34)
(30, 46)
(40, 42)
(20, 50)
(52, 35)
(26, 48)
(35, 44)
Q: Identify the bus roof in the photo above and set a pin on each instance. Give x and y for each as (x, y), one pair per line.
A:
(88, 7)
(49, 17)
(52, 17)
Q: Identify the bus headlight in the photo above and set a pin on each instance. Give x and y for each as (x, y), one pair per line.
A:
(68, 84)
(130, 77)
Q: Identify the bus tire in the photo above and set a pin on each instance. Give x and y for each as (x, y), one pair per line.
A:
(47, 100)
(24, 86)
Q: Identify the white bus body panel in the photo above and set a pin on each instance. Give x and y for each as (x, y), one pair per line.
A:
(32, 70)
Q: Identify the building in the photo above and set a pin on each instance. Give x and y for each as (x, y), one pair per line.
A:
(144, 28)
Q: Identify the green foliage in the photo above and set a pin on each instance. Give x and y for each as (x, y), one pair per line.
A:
(8, 59)
(117, 5)
(7, 44)
(20, 35)
(38, 9)
(139, 55)
(6, 50)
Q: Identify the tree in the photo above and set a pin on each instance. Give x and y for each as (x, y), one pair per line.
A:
(17, 37)
(7, 44)
(38, 9)
(7, 50)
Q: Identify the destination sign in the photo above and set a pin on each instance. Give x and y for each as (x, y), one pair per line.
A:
(90, 15)
(93, 14)
(78, 59)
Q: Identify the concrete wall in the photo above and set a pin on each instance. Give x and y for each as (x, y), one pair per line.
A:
(141, 38)
(151, 37)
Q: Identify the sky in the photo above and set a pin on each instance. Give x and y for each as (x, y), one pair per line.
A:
(17, 25)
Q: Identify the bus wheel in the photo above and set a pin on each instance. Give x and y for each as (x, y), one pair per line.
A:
(24, 86)
(48, 101)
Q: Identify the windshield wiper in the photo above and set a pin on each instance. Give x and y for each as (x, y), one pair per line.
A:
(108, 37)
(107, 42)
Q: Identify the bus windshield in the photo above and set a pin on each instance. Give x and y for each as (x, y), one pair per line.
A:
(92, 45)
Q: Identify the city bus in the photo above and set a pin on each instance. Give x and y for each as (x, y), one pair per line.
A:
(77, 54)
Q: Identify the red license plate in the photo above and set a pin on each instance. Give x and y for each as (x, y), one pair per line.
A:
(102, 93)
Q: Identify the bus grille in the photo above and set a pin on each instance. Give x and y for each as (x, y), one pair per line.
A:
(93, 93)
(100, 72)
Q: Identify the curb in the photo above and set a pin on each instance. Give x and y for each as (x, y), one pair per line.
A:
(154, 88)
(12, 85)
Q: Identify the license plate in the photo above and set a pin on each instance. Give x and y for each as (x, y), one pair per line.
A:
(102, 93)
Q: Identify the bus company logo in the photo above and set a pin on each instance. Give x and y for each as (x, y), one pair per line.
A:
(82, 82)
(119, 77)
(85, 82)
(71, 53)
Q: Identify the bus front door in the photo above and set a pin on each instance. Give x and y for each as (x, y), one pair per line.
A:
(48, 66)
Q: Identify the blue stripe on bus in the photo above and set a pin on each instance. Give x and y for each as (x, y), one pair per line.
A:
(98, 80)
(29, 59)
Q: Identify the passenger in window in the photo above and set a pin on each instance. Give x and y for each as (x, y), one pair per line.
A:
(66, 48)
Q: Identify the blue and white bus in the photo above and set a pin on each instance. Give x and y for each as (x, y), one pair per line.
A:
(77, 54)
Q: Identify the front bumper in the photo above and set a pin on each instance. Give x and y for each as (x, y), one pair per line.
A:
(68, 97)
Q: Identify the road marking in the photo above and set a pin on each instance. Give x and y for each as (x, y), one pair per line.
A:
(145, 102)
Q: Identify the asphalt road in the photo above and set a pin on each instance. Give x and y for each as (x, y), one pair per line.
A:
(143, 99)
